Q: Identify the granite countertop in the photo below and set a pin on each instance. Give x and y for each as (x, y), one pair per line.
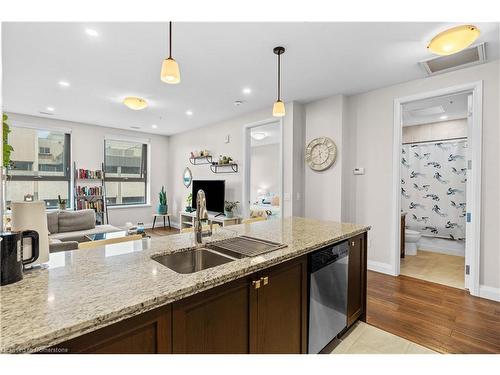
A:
(83, 290)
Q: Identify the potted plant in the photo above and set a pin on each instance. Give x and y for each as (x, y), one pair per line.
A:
(229, 208)
(189, 199)
(62, 203)
(162, 206)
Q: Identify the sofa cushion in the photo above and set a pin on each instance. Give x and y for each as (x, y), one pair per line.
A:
(70, 221)
(79, 235)
(53, 221)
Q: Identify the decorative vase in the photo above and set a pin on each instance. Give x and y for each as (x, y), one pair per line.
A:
(162, 209)
(228, 214)
(62, 206)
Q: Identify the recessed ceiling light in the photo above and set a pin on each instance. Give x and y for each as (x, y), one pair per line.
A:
(443, 117)
(189, 112)
(259, 136)
(154, 126)
(135, 103)
(91, 32)
(247, 90)
(64, 83)
(50, 109)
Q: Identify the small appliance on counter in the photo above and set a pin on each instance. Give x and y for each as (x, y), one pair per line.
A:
(32, 216)
(11, 256)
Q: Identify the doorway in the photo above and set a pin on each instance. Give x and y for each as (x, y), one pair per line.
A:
(263, 163)
(438, 146)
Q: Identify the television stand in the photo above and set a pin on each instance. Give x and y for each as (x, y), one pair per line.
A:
(186, 219)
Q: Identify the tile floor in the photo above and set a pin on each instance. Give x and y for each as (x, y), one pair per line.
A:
(366, 339)
(438, 268)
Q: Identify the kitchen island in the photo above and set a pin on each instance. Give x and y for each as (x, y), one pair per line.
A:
(118, 299)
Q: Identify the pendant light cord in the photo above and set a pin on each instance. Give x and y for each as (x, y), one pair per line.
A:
(170, 40)
(279, 76)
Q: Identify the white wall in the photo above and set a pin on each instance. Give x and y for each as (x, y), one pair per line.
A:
(435, 131)
(323, 118)
(213, 137)
(371, 120)
(87, 150)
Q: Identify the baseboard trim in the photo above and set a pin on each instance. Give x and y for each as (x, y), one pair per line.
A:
(489, 292)
(380, 267)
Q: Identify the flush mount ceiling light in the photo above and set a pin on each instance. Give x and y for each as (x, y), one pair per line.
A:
(454, 40)
(259, 136)
(135, 103)
(91, 32)
(279, 106)
(170, 69)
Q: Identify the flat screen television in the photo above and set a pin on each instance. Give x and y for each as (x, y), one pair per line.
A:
(214, 191)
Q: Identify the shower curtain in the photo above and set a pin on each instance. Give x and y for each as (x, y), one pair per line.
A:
(433, 180)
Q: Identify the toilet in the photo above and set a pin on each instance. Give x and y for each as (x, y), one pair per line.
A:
(411, 240)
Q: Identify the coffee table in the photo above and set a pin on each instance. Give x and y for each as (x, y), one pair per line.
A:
(101, 239)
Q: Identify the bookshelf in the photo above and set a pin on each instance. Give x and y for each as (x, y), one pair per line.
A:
(89, 191)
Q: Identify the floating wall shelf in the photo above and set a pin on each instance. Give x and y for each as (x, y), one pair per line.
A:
(224, 168)
(200, 160)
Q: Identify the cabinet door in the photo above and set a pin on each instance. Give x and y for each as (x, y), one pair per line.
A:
(278, 321)
(215, 321)
(147, 333)
(356, 285)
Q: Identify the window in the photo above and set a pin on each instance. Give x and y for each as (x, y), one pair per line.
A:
(125, 164)
(40, 166)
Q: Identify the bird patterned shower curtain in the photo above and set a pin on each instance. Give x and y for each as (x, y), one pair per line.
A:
(433, 181)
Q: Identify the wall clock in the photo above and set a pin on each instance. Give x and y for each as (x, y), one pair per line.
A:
(321, 153)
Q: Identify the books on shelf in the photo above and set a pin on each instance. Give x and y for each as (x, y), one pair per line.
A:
(89, 190)
(98, 206)
(87, 174)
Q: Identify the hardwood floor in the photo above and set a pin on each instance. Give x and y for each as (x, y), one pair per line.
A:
(160, 231)
(441, 318)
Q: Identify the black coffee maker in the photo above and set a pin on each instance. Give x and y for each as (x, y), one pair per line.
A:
(11, 257)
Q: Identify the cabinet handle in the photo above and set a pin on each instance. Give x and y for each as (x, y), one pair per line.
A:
(256, 284)
(353, 243)
(265, 280)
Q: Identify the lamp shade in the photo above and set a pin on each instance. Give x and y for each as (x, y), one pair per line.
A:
(278, 109)
(32, 216)
(135, 103)
(454, 40)
(170, 71)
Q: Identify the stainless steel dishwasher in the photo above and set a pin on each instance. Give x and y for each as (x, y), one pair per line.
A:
(328, 269)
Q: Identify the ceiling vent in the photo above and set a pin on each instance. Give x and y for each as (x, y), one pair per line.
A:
(465, 58)
(46, 113)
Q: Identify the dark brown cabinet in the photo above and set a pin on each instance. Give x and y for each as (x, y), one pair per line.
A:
(278, 309)
(215, 321)
(356, 284)
(147, 333)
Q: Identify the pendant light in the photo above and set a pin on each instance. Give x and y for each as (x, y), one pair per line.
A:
(279, 106)
(170, 69)
(454, 40)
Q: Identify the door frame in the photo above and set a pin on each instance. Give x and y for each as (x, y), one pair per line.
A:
(472, 253)
(247, 163)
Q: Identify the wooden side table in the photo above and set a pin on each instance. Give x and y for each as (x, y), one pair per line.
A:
(164, 216)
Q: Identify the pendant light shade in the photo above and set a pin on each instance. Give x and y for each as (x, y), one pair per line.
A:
(170, 69)
(278, 109)
(279, 106)
(454, 40)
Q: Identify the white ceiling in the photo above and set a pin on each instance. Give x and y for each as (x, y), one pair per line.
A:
(444, 108)
(217, 60)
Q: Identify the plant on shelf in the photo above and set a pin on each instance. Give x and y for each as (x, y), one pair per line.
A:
(162, 206)
(189, 199)
(225, 160)
(229, 208)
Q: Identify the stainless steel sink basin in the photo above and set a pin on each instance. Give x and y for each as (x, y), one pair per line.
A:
(193, 260)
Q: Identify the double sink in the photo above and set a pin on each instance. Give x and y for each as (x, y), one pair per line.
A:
(217, 253)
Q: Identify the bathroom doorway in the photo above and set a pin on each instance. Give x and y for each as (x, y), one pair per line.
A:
(263, 163)
(438, 190)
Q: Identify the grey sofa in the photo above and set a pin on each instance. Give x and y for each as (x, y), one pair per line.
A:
(68, 228)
